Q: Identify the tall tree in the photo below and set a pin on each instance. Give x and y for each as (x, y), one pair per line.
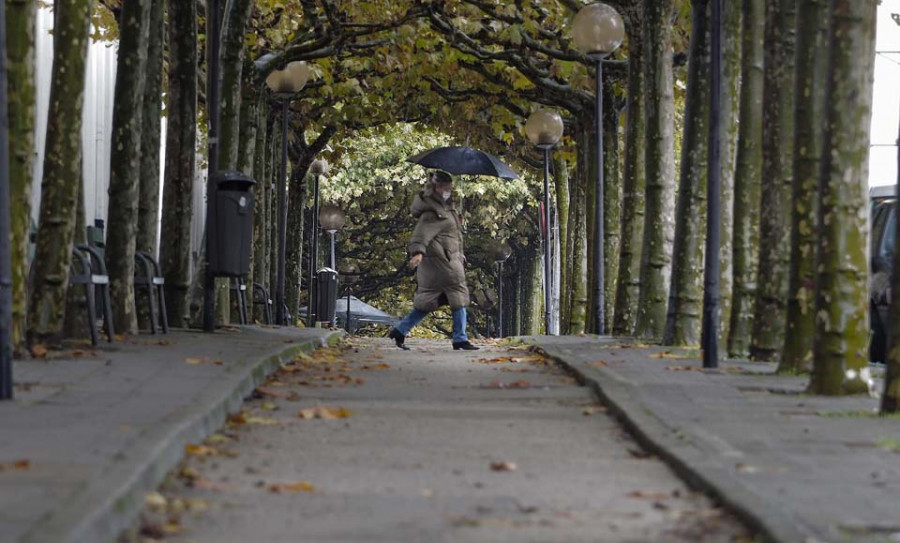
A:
(748, 174)
(628, 285)
(842, 302)
(561, 179)
(812, 59)
(148, 204)
(686, 292)
(579, 239)
(660, 163)
(181, 142)
(125, 169)
(731, 103)
(778, 152)
(612, 204)
(20, 44)
(62, 172)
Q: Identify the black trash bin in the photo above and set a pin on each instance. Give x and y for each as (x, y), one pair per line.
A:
(326, 294)
(232, 236)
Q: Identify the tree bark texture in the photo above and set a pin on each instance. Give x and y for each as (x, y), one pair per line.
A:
(298, 191)
(685, 308)
(76, 322)
(842, 301)
(276, 182)
(125, 161)
(181, 142)
(770, 310)
(660, 163)
(148, 206)
(532, 298)
(731, 103)
(233, 28)
(634, 182)
(748, 175)
(561, 178)
(246, 164)
(261, 202)
(809, 110)
(20, 51)
(612, 203)
(578, 232)
(62, 173)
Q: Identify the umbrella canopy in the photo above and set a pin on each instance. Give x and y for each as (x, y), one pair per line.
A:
(463, 161)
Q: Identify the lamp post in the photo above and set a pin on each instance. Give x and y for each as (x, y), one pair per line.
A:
(598, 31)
(501, 252)
(318, 168)
(331, 219)
(544, 129)
(284, 84)
(6, 294)
(709, 337)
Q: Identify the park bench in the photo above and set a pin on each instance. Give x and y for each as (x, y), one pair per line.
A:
(85, 261)
(148, 278)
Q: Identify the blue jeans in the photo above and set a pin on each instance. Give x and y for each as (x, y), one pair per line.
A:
(416, 316)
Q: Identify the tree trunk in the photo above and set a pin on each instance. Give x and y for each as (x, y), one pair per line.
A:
(125, 164)
(578, 231)
(612, 204)
(660, 164)
(261, 203)
(686, 292)
(250, 101)
(76, 322)
(181, 141)
(148, 207)
(532, 298)
(842, 302)
(748, 174)
(629, 283)
(778, 151)
(731, 79)
(277, 180)
(20, 43)
(294, 270)
(561, 177)
(810, 84)
(62, 173)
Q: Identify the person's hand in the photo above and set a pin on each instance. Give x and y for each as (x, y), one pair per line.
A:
(415, 261)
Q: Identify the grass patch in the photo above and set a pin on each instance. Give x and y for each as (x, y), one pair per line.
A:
(858, 414)
(889, 444)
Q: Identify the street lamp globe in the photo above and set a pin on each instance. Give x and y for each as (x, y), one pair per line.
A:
(332, 218)
(501, 251)
(544, 128)
(598, 30)
(290, 80)
(319, 167)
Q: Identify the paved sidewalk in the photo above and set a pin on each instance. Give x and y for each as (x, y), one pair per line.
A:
(90, 432)
(799, 468)
(370, 444)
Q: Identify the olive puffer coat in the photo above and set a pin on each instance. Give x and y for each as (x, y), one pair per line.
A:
(441, 276)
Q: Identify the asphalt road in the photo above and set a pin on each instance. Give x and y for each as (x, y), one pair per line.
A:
(370, 443)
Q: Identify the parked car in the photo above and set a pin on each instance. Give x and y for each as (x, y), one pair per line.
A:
(881, 255)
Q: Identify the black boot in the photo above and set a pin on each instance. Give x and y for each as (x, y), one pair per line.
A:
(398, 338)
(464, 346)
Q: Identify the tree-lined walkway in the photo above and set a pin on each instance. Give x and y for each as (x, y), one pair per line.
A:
(374, 444)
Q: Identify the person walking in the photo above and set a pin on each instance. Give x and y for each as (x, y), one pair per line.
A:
(436, 252)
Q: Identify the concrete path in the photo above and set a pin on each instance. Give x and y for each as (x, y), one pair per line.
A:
(799, 468)
(372, 444)
(91, 431)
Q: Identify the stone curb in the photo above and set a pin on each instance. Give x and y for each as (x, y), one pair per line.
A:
(684, 451)
(105, 507)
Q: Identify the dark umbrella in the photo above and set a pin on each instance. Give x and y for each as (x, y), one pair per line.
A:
(463, 161)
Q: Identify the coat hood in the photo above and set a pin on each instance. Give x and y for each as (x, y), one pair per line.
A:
(428, 200)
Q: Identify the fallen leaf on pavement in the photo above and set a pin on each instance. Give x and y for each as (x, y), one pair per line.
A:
(196, 361)
(264, 391)
(670, 354)
(593, 410)
(18, 465)
(327, 413)
(200, 450)
(268, 406)
(156, 501)
(291, 488)
(38, 351)
(504, 466)
(262, 421)
(684, 368)
(643, 495)
(597, 364)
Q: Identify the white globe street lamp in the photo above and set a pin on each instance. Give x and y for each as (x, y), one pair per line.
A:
(284, 84)
(331, 219)
(318, 168)
(598, 31)
(545, 128)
